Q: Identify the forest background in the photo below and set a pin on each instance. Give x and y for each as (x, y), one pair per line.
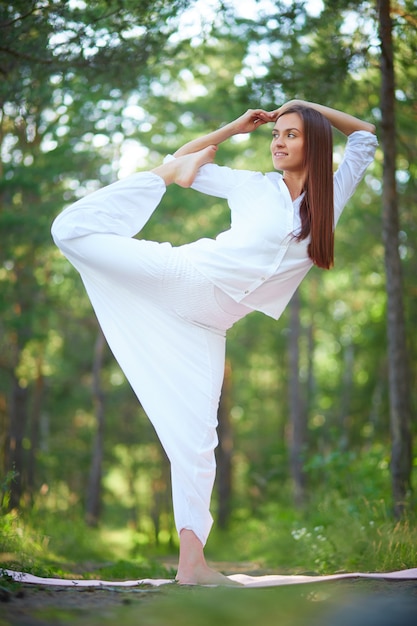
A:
(318, 409)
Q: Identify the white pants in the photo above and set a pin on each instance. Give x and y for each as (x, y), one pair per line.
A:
(165, 323)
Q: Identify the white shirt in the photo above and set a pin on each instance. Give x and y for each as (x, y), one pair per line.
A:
(257, 261)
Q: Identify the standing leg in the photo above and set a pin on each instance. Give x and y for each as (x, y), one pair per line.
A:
(192, 566)
(176, 370)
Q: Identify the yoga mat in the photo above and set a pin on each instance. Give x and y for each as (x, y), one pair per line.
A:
(271, 580)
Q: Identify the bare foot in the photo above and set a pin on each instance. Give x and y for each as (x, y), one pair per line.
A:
(183, 169)
(204, 575)
(188, 165)
(192, 567)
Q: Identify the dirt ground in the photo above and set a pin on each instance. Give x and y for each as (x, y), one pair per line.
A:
(32, 605)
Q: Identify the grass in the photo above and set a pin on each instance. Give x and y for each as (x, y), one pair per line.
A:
(51, 544)
(347, 527)
(344, 529)
(334, 535)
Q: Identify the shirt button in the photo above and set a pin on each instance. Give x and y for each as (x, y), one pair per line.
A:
(263, 278)
(247, 291)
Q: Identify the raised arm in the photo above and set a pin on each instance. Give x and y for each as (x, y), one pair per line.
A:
(347, 124)
(246, 123)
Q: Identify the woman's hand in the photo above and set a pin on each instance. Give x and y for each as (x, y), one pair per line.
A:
(344, 122)
(251, 120)
(286, 106)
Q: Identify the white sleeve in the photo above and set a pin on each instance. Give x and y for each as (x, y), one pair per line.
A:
(359, 153)
(217, 180)
(220, 181)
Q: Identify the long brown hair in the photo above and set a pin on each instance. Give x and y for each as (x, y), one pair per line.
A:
(317, 206)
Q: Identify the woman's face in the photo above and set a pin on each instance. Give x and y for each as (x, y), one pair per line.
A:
(287, 146)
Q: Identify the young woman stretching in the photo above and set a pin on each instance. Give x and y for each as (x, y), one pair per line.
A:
(165, 310)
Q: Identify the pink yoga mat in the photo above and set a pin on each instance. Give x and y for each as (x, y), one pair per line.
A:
(272, 580)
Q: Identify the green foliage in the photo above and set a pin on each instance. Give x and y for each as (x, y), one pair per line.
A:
(347, 524)
(51, 544)
(86, 41)
(9, 541)
(5, 490)
(335, 535)
(344, 528)
(133, 570)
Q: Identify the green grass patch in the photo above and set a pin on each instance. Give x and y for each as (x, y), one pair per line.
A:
(51, 544)
(333, 535)
(346, 526)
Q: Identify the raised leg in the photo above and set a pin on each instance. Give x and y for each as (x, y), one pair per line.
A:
(183, 170)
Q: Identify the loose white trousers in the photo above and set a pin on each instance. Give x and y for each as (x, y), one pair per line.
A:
(165, 324)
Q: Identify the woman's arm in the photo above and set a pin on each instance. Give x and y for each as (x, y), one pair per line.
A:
(246, 123)
(347, 124)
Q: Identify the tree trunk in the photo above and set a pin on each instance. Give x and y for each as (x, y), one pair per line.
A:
(346, 395)
(35, 419)
(399, 375)
(93, 504)
(224, 452)
(298, 422)
(14, 445)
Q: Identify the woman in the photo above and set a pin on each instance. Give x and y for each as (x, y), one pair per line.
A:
(165, 310)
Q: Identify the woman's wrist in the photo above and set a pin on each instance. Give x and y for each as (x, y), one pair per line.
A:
(229, 130)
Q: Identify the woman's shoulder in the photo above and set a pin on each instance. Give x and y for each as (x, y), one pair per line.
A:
(222, 180)
(274, 178)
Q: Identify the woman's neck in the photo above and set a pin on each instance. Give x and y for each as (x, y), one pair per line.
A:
(295, 184)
